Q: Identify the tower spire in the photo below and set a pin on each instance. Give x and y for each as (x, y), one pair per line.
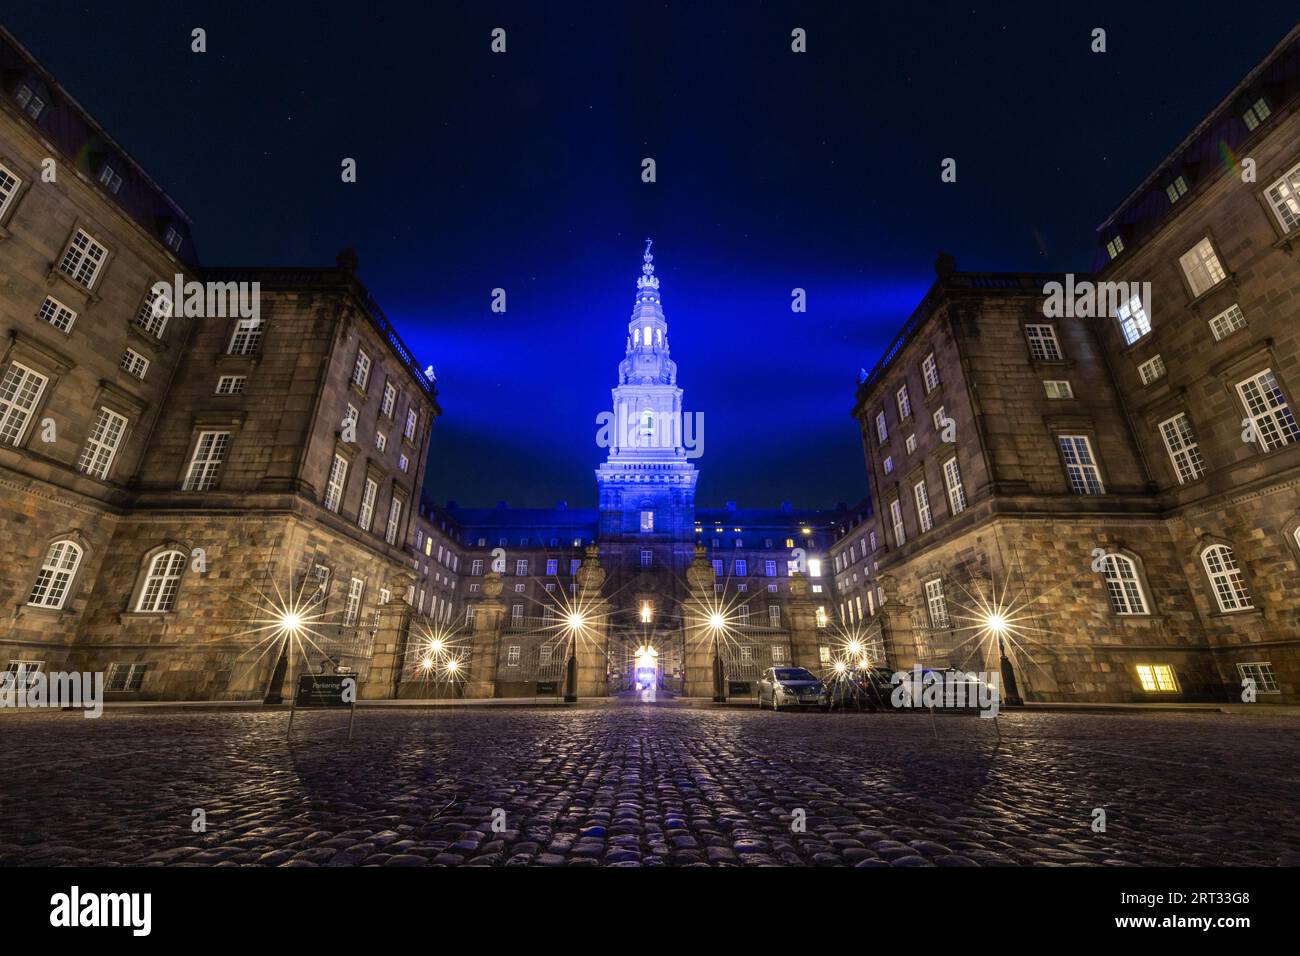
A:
(647, 284)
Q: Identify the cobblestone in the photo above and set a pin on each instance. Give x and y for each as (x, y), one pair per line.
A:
(644, 785)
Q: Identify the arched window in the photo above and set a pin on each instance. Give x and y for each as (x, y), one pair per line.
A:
(636, 337)
(1226, 578)
(1123, 586)
(158, 594)
(647, 424)
(55, 578)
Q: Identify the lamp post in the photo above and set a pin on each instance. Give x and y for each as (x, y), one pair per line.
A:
(716, 623)
(571, 678)
(1011, 694)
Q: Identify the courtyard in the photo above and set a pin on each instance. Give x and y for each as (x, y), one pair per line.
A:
(630, 784)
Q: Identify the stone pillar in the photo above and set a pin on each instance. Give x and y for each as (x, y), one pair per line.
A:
(485, 642)
(388, 649)
(591, 646)
(896, 628)
(695, 617)
(805, 636)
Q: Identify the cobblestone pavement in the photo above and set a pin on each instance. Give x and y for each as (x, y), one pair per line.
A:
(628, 785)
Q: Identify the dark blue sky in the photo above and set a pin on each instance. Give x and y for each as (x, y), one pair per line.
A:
(775, 170)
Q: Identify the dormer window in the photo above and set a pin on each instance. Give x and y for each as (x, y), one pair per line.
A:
(1256, 113)
(31, 102)
(110, 179)
(172, 239)
(1115, 246)
(1176, 190)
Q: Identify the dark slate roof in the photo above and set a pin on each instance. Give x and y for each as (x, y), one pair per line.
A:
(86, 146)
(524, 518)
(1210, 150)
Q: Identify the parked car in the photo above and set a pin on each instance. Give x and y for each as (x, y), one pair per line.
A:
(864, 688)
(792, 687)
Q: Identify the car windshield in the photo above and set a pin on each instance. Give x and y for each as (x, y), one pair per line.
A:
(793, 673)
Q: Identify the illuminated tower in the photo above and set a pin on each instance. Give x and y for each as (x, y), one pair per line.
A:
(647, 484)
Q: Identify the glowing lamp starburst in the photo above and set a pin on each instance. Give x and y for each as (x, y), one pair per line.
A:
(717, 621)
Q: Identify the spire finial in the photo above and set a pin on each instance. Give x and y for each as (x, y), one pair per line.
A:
(647, 281)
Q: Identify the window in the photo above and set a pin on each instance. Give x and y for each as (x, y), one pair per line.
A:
(110, 179)
(521, 567)
(1261, 672)
(476, 567)
(158, 596)
(516, 614)
(769, 569)
(956, 494)
(172, 238)
(403, 463)
(1114, 247)
(1056, 389)
(1283, 196)
(9, 183)
(32, 104)
(1201, 266)
(134, 364)
(872, 538)
(889, 464)
(741, 568)
(774, 615)
(552, 566)
(1043, 346)
(1080, 466)
(209, 453)
(574, 564)
(20, 390)
(386, 407)
(469, 617)
(1184, 450)
(1274, 424)
(1157, 678)
(412, 422)
(936, 604)
(1226, 579)
(153, 313)
(742, 614)
(922, 496)
(881, 431)
(1255, 113)
(911, 444)
(83, 259)
(353, 606)
(337, 481)
(247, 337)
(773, 588)
(231, 384)
(930, 373)
(20, 674)
(56, 574)
(101, 447)
(366, 514)
(904, 404)
(1133, 321)
(1152, 370)
(647, 521)
(1228, 321)
(1176, 190)
(384, 597)
(938, 417)
(778, 654)
(717, 568)
(57, 314)
(381, 441)
(896, 516)
(394, 520)
(361, 371)
(1123, 587)
(647, 558)
(125, 677)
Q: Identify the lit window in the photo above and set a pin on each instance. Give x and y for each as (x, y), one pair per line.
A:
(930, 373)
(1058, 389)
(769, 569)
(938, 607)
(1114, 247)
(1183, 448)
(1176, 190)
(337, 482)
(1042, 343)
(1261, 672)
(1226, 322)
(361, 370)
(1226, 579)
(83, 259)
(896, 516)
(172, 238)
(889, 464)
(1256, 113)
(56, 574)
(403, 463)
(1123, 587)
(1153, 369)
(647, 521)
(1133, 321)
(57, 314)
(134, 364)
(102, 444)
(1283, 197)
(552, 568)
(9, 183)
(814, 568)
(1201, 266)
(521, 567)
(922, 496)
(1080, 466)
(20, 390)
(1274, 425)
(717, 568)
(366, 513)
(881, 431)
(231, 384)
(956, 494)
(209, 453)
(1157, 678)
(161, 582)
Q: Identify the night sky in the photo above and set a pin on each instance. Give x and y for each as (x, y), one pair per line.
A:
(775, 171)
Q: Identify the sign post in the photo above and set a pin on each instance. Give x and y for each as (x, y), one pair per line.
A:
(326, 690)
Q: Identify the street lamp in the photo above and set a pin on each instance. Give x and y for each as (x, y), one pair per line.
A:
(997, 624)
(716, 623)
(575, 622)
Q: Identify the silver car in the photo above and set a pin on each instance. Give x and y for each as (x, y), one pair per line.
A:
(792, 687)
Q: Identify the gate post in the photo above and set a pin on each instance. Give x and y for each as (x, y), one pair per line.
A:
(901, 646)
(591, 644)
(698, 637)
(805, 637)
(485, 646)
(388, 650)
